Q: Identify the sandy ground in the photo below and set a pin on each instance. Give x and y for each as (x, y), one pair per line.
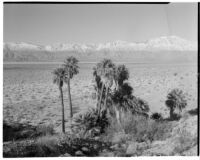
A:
(29, 96)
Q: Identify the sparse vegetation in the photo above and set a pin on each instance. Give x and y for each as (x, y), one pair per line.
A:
(23, 131)
(47, 146)
(44, 130)
(139, 128)
(53, 146)
(120, 125)
(92, 123)
(184, 142)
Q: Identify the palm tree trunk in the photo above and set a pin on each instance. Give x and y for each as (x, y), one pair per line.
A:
(105, 101)
(63, 114)
(171, 113)
(117, 115)
(97, 97)
(101, 97)
(70, 101)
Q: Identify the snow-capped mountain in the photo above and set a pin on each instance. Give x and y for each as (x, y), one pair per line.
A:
(156, 44)
(171, 43)
(22, 46)
(118, 49)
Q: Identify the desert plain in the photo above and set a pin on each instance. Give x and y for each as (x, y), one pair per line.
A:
(30, 97)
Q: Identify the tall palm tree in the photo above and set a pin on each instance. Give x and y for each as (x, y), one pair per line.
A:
(71, 68)
(105, 70)
(176, 100)
(59, 76)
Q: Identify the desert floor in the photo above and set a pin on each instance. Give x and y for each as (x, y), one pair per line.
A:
(29, 95)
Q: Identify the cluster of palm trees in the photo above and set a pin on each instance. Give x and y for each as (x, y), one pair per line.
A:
(114, 93)
(109, 79)
(63, 75)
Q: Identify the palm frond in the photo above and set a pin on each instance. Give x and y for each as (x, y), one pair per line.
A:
(58, 76)
(121, 74)
(176, 99)
(71, 66)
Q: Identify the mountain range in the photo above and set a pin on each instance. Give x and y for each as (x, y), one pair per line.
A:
(163, 49)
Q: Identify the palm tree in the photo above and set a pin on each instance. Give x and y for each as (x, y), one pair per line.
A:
(121, 74)
(71, 68)
(105, 70)
(98, 84)
(59, 76)
(121, 99)
(176, 100)
(122, 93)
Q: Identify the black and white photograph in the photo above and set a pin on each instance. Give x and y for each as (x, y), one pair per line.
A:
(100, 79)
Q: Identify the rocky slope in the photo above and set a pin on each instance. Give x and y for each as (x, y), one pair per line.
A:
(181, 141)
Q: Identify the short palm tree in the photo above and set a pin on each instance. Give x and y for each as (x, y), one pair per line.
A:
(98, 84)
(71, 68)
(176, 100)
(59, 76)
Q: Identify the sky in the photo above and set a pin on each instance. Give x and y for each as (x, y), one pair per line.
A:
(97, 23)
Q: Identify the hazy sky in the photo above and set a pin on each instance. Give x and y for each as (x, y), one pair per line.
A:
(97, 23)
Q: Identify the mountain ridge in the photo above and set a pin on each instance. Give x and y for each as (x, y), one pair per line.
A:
(161, 43)
(118, 50)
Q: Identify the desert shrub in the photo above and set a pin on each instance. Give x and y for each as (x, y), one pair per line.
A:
(159, 130)
(175, 74)
(92, 122)
(176, 117)
(17, 131)
(47, 146)
(139, 128)
(193, 111)
(44, 130)
(156, 116)
(134, 123)
(24, 148)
